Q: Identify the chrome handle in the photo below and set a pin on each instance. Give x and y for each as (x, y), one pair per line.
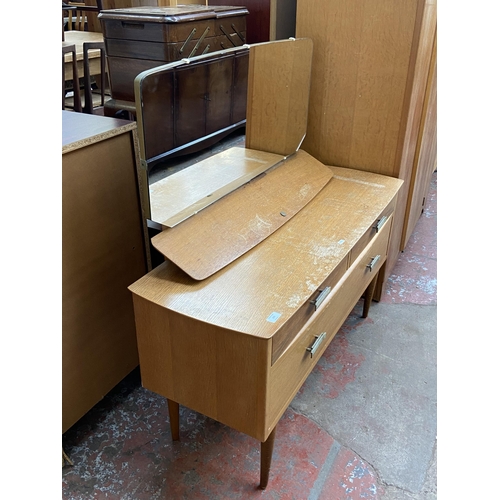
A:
(316, 344)
(373, 263)
(380, 223)
(321, 297)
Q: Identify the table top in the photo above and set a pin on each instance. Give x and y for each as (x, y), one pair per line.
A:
(77, 38)
(80, 129)
(281, 273)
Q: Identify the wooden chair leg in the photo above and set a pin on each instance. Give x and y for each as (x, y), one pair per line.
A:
(77, 104)
(173, 413)
(89, 107)
(369, 296)
(266, 455)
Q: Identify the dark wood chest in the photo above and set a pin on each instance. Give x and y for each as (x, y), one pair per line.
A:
(141, 38)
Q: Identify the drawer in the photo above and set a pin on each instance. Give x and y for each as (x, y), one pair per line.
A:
(135, 29)
(161, 52)
(233, 29)
(288, 331)
(149, 29)
(374, 229)
(290, 371)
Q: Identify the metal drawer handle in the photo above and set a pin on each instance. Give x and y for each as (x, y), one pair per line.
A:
(373, 263)
(188, 39)
(321, 297)
(316, 343)
(380, 223)
(199, 42)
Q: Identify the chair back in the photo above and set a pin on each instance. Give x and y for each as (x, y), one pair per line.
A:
(77, 18)
(84, 18)
(88, 106)
(77, 103)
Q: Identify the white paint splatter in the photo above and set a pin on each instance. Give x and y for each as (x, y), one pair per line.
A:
(304, 191)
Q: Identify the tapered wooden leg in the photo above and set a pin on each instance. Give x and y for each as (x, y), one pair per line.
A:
(173, 413)
(266, 455)
(369, 296)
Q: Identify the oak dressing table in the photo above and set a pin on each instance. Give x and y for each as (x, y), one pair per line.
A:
(263, 267)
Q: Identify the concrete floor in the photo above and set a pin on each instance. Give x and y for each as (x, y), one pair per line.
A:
(363, 426)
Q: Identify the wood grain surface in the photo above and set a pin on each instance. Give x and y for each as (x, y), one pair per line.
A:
(278, 95)
(185, 193)
(222, 232)
(280, 275)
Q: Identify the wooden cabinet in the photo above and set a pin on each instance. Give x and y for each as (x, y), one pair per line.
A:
(103, 251)
(141, 38)
(368, 106)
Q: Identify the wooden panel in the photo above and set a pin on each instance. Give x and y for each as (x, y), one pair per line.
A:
(425, 159)
(278, 95)
(182, 105)
(122, 72)
(185, 193)
(215, 237)
(370, 67)
(417, 84)
(103, 252)
(217, 372)
(361, 55)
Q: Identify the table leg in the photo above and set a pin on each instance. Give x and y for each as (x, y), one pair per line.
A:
(266, 455)
(369, 296)
(173, 413)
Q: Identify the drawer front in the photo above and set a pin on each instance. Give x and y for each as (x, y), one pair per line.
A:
(161, 52)
(292, 368)
(157, 32)
(374, 229)
(233, 30)
(285, 335)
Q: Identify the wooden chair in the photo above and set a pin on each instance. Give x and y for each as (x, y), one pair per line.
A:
(77, 17)
(77, 104)
(84, 17)
(88, 106)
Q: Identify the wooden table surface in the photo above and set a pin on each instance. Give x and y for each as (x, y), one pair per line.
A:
(80, 130)
(78, 38)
